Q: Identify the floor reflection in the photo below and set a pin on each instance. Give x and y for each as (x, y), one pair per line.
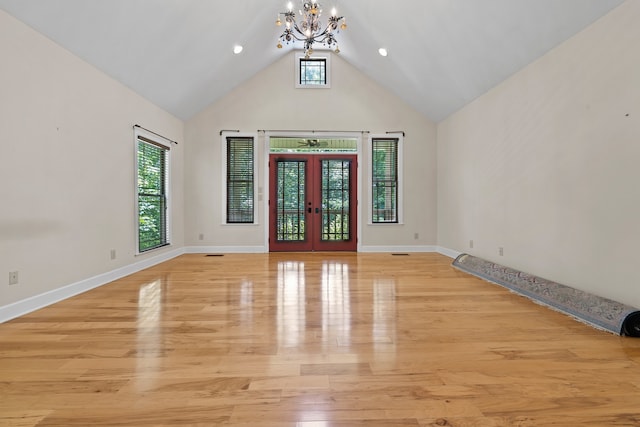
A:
(336, 302)
(291, 285)
(149, 333)
(316, 305)
(313, 304)
(383, 327)
(149, 310)
(246, 303)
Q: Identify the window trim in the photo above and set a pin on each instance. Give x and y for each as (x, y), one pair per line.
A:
(153, 139)
(223, 168)
(326, 56)
(400, 172)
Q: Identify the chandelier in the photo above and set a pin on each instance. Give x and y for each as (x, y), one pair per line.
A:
(309, 29)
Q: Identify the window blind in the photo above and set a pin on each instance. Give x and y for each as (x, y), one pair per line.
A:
(240, 180)
(384, 180)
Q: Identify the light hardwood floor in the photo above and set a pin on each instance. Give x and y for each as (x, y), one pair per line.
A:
(311, 340)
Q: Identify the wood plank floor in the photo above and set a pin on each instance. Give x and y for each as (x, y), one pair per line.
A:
(311, 340)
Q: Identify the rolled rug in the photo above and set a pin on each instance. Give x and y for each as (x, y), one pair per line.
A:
(631, 325)
(599, 312)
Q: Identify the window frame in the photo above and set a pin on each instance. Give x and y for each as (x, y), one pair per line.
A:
(144, 136)
(224, 190)
(326, 57)
(399, 178)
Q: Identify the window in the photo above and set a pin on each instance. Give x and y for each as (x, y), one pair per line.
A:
(312, 72)
(385, 184)
(240, 179)
(152, 160)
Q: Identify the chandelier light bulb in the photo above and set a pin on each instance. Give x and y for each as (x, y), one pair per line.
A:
(334, 12)
(237, 49)
(290, 6)
(383, 52)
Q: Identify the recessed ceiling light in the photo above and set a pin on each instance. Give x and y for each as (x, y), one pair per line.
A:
(237, 49)
(383, 52)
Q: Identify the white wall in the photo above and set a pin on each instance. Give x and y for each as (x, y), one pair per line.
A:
(67, 166)
(269, 101)
(546, 164)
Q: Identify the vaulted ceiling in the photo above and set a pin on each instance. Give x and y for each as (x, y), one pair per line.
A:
(178, 53)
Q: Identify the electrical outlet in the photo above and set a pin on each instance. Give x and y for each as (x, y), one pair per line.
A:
(13, 277)
(200, 236)
(113, 254)
(500, 251)
(416, 236)
(471, 244)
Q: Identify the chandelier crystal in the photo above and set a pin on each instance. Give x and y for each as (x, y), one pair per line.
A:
(309, 28)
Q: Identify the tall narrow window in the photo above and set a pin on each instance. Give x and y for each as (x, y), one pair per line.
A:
(240, 180)
(384, 182)
(152, 183)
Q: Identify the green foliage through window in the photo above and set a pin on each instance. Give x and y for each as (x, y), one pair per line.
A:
(152, 195)
(290, 200)
(336, 188)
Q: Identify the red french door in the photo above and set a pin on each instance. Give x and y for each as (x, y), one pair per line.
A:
(312, 202)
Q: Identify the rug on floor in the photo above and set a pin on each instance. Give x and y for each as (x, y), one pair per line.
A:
(599, 312)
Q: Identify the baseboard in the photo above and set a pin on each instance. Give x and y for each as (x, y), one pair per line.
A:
(448, 252)
(226, 249)
(396, 249)
(36, 302)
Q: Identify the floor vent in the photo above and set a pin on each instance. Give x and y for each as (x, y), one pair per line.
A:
(399, 254)
(214, 255)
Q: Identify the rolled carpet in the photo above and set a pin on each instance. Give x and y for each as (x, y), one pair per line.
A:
(599, 312)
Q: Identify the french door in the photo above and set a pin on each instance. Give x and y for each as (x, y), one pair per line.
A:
(312, 202)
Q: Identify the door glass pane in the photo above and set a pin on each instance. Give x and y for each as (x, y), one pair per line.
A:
(290, 198)
(335, 200)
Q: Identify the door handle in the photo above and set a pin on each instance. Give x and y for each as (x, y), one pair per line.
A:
(309, 210)
(317, 210)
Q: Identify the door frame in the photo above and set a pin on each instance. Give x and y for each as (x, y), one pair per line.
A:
(264, 191)
(313, 200)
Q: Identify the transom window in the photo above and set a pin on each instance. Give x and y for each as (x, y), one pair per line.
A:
(312, 144)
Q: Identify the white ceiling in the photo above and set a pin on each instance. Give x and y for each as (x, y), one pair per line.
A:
(178, 53)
